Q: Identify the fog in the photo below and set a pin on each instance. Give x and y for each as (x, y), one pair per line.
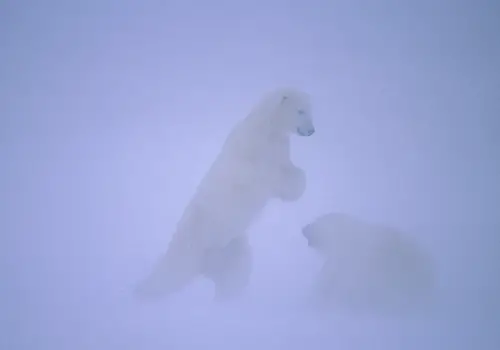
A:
(112, 112)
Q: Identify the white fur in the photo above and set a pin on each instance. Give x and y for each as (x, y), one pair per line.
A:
(229, 268)
(253, 166)
(370, 267)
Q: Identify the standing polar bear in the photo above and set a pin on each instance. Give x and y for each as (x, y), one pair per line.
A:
(252, 167)
(370, 267)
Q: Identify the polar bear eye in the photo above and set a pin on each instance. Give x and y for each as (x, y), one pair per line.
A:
(301, 112)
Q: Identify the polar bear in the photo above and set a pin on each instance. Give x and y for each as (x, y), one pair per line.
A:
(370, 267)
(252, 167)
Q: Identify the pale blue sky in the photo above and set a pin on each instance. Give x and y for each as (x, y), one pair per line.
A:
(111, 111)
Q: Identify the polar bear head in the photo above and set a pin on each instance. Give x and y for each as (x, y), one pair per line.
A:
(286, 109)
(296, 110)
(330, 232)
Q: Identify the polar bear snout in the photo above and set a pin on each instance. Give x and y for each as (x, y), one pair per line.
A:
(305, 131)
(305, 125)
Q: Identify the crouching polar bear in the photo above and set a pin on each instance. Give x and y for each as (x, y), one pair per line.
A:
(370, 267)
(253, 166)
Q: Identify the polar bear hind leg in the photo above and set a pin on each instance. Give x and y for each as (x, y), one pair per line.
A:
(229, 268)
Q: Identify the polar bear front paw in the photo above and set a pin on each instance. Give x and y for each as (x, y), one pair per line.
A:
(292, 184)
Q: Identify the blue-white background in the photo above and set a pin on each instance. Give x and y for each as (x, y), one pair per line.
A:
(112, 111)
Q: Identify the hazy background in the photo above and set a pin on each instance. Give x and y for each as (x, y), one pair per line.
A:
(112, 111)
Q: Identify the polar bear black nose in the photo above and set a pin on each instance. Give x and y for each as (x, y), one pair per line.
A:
(305, 132)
